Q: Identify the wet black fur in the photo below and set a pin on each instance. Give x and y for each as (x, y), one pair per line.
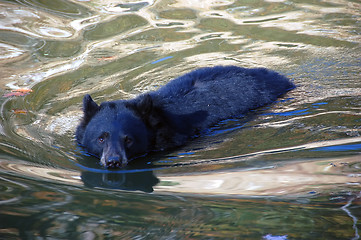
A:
(118, 131)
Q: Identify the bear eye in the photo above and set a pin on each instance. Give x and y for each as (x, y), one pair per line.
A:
(128, 141)
(102, 138)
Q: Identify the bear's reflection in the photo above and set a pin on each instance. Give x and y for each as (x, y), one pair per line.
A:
(130, 181)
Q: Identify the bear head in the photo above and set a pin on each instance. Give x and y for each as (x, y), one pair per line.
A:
(114, 131)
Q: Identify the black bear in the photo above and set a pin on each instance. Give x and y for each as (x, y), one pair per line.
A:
(118, 131)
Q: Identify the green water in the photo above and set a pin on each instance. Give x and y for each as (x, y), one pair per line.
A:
(288, 171)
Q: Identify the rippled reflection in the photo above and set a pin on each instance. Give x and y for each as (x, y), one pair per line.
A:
(295, 178)
(143, 181)
(62, 211)
(9, 52)
(274, 180)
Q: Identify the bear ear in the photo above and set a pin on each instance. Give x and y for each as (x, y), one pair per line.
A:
(145, 105)
(90, 108)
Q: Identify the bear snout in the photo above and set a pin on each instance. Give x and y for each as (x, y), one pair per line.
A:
(114, 160)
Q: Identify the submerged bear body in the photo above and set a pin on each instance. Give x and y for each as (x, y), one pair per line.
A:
(118, 131)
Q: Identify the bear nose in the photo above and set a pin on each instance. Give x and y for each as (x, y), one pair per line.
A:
(116, 162)
(113, 162)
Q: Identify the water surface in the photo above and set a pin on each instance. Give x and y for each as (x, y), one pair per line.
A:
(288, 171)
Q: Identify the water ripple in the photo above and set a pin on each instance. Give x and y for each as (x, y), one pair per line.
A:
(8, 51)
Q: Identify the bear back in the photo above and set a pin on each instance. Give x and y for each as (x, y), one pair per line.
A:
(222, 91)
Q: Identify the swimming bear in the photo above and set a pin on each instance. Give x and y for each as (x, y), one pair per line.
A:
(119, 131)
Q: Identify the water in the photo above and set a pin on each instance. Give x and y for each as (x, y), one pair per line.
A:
(287, 171)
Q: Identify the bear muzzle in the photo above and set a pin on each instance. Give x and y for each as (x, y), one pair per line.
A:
(113, 159)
